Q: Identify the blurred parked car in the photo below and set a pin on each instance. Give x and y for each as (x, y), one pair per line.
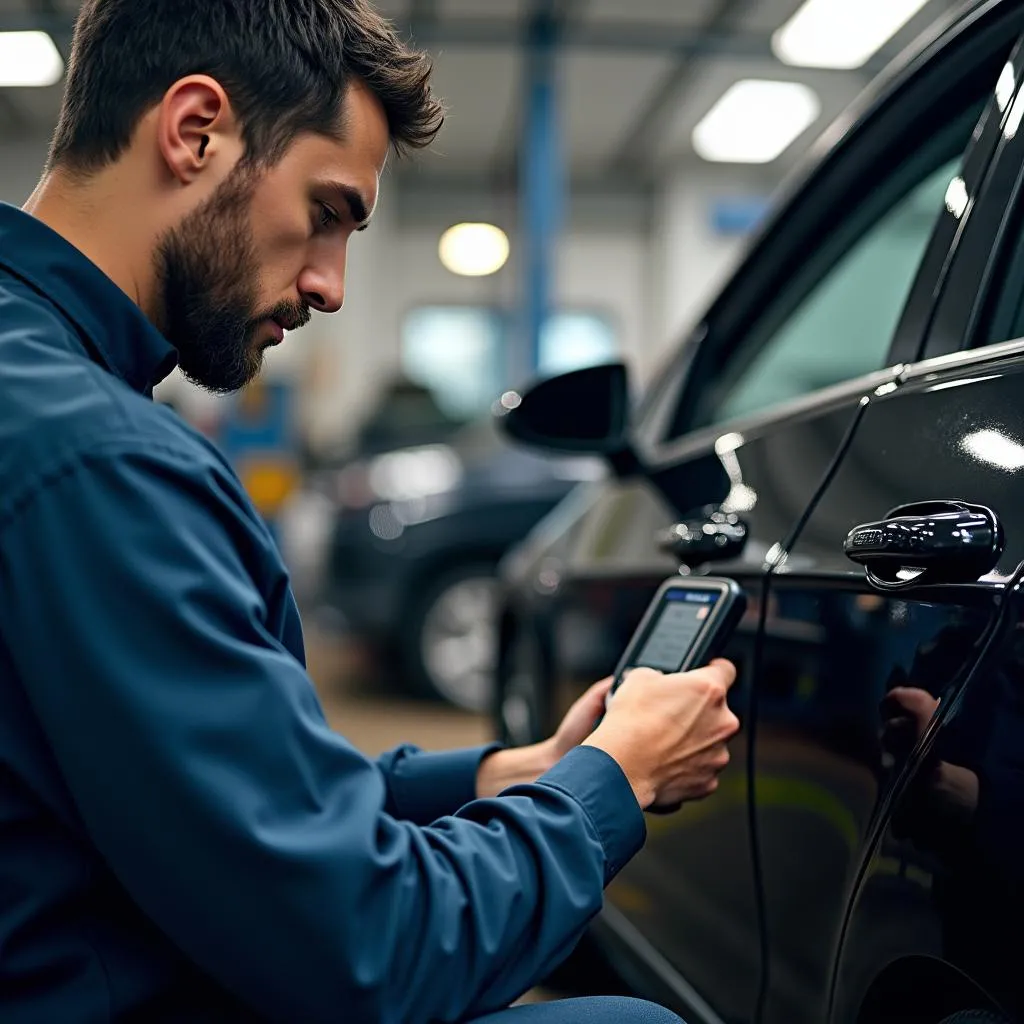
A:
(415, 539)
(404, 413)
(844, 435)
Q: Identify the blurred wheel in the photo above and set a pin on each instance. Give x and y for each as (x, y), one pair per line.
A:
(453, 638)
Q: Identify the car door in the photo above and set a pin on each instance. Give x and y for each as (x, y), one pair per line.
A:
(856, 656)
(736, 443)
(932, 923)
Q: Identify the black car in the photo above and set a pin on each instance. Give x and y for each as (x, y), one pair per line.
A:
(843, 434)
(416, 537)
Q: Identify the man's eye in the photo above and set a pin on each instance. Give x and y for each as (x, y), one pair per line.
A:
(328, 218)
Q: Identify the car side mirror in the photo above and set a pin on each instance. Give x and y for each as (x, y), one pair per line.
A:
(583, 412)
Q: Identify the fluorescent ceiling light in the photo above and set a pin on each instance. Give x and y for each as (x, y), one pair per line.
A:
(755, 121)
(29, 58)
(474, 250)
(841, 33)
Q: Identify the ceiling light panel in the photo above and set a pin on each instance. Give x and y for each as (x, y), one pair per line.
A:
(755, 121)
(29, 59)
(841, 33)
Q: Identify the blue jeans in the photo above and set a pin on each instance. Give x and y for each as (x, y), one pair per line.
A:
(595, 1010)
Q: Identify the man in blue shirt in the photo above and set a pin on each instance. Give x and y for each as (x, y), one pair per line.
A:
(182, 837)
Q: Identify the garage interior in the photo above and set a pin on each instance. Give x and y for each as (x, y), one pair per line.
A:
(603, 167)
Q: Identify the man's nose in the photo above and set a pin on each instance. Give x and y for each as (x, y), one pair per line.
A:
(323, 290)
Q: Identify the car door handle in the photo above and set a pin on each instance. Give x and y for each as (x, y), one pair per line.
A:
(928, 542)
(713, 538)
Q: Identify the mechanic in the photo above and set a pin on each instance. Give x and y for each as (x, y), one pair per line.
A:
(182, 837)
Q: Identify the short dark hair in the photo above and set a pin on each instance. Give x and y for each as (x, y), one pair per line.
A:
(285, 64)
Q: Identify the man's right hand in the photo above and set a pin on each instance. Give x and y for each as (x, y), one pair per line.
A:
(668, 733)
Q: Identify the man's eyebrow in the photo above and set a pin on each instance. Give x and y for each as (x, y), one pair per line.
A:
(353, 199)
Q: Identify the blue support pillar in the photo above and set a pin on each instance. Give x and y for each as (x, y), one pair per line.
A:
(541, 188)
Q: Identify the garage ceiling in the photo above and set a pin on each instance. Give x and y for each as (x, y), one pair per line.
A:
(636, 77)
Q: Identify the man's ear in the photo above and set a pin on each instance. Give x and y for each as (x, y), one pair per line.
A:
(197, 128)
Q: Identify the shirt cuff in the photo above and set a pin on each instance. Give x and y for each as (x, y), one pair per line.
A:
(425, 787)
(597, 783)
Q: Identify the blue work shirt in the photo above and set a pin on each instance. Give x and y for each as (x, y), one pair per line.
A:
(182, 836)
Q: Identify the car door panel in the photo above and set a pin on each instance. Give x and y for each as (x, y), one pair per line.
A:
(933, 925)
(830, 657)
(691, 891)
(835, 649)
(953, 424)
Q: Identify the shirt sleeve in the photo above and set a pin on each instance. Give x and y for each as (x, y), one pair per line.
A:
(207, 778)
(423, 787)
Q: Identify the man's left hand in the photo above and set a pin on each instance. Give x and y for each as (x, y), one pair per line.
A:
(580, 720)
(526, 764)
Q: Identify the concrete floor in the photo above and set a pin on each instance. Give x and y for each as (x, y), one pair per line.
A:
(366, 710)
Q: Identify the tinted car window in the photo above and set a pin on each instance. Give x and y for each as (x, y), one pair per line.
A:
(842, 326)
(842, 259)
(842, 329)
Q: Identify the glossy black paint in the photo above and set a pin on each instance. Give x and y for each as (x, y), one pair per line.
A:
(953, 433)
(714, 536)
(928, 542)
(832, 658)
(849, 871)
(945, 433)
(941, 877)
(585, 410)
(580, 597)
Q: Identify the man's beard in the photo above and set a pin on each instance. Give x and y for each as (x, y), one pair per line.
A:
(208, 283)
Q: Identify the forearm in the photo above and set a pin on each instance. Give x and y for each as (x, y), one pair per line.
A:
(515, 767)
(423, 787)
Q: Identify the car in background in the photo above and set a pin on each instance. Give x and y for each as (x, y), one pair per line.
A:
(843, 434)
(415, 538)
(403, 413)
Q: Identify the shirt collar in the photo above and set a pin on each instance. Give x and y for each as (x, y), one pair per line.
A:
(118, 333)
